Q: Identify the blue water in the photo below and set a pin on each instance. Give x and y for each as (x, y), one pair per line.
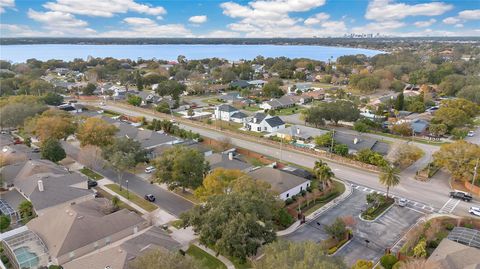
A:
(20, 53)
(25, 258)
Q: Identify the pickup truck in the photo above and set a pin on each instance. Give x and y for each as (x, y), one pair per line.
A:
(461, 195)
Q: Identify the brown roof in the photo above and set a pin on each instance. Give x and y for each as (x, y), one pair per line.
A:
(452, 255)
(66, 229)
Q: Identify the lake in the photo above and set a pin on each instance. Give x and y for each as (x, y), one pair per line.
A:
(67, 52)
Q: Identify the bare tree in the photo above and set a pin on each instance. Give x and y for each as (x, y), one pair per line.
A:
(91, 157)
(225, 143)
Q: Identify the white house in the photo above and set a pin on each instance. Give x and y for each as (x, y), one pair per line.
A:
(283, 183)
(229, 113)
(261, 122)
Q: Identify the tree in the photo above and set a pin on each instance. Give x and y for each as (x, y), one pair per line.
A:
(238, 223)
(471, 93)
(402, 129)
(25, 209)
(163, 258)
(323, 173)
(388, 261)
(399, 102)
(371, 157)
(363, 264)
(4, 222)
(315, 116)
(361, 127)
(452, 117)
(284, 254)
(458, 158)
(55, 124)
(272, 90)
(324, 140)
(190, 112)
(337, 229)
(404, 154)
(52, 150)
(416, 107)
(181, 166)
(134, 100)
(139, 80)
(91, 157)
(341, 149)
(438, 130)
(89, 89)
(389, 177)
(13, 115)
(123, 154)
(96, 132)
(470, 108)
(53, 99)
(218, 182)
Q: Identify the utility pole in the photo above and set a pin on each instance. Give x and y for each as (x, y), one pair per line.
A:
(475, 173)
(333, 135)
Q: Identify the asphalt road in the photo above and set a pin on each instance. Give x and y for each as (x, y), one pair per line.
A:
(381, 233)
(433, 193)
(166, 200)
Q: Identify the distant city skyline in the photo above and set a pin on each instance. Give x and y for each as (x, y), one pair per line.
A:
(256, 18)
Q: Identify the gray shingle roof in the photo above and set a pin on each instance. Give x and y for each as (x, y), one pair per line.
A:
(279, 180)
(259, 116)
(227, 108)
(239, 115)
(275, 121)
(219, 160)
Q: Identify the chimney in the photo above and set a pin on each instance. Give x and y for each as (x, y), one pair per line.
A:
(355, 141)
(298, 131)
(40, 185)
(230, 156)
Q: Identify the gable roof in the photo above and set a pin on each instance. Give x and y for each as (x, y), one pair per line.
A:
(217, 160)
(259, 116)
(274, 121)
(279, 180)
(450, 254)
(78, 225)
(419, 126)
(301, 131)
(239, 84)
(226, 108)
(239, 115)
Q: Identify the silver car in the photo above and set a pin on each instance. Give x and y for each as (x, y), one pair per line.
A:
(474, 211)
(402, 202)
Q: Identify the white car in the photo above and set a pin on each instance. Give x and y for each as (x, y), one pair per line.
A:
(474, 211)
(471, 134)
(150, 169)
(402, 202)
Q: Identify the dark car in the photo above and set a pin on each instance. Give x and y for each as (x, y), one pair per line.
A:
(461, 195)
(35, 150)
(149, 197)
(92, 183)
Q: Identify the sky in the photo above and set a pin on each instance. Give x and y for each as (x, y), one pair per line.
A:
(235, 18)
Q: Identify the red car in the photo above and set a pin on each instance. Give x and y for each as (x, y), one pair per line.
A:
(17, 141)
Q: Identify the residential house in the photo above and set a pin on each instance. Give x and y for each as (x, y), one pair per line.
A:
(227, 160)
(257, 83)
(78, 229)
(46, 184)
(356, 143)
(120, 255)
(299, 132)
(279, 103)
(229, 113)
(315, 94)
(303, 87)
(261, 122)
(241, 84)
(283, 183)
(231, 97)
(419, 126)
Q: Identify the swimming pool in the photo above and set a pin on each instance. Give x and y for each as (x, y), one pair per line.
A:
(26, 258)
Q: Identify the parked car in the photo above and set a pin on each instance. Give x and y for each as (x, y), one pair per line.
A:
(149, 197)
(35, 150)
(461, 195)
(402, 202)
(471, 134)
(92, 183)
(150, 169)
(17, 141)
(474, 211)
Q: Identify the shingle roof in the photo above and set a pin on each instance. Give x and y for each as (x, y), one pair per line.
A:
(279, 180)
(78, 225)
(259, 116)
(239, 84)
(227, 108)
(239, 115)
(274, 121)
(217, 160)
(419, 126)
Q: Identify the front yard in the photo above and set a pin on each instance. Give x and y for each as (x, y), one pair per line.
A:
(289, 111)
(91, 174)
(148, 206)
(207, 261)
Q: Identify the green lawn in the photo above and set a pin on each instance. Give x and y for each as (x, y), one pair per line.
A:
(207, 260)
(177, 223)
(234, 127)
(250, 108)
(104, 194)
(339, 189)
(213, 101)
(148, 206)
(187, 195)
(409, 138)
(289, 111)
(91, 174)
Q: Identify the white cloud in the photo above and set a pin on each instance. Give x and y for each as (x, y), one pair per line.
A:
(6, 4)
(221, 33)
(459, 25)
(473, 14)
(451, 20)
(425, 23)
(15, 30)
(61, 23)
(388, 10)
(320, 17)
(145, 27)
(103, 8)
(198, 19)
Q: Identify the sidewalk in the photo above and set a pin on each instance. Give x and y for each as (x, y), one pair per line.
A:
(225, 261)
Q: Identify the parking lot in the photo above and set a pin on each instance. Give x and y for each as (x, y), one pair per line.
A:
(381, 234)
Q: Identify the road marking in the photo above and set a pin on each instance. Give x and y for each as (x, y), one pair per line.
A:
(449, 206)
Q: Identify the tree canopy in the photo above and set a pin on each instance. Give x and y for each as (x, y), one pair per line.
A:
(52, 150)
(218, 182)
(96, 132)
(458, 158)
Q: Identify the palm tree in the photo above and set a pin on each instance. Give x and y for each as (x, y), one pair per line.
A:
(389, 177)
(323, 173)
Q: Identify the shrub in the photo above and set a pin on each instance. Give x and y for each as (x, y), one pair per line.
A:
(388, 261)
(468, 225)
(284, 219)
(449, 226)
(4, 222)
(303, 192)
(432, 244)
(420, 251)
(4, 259)
(332, 250)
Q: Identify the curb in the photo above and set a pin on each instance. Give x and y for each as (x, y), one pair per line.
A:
(379, 216)
(221, 258)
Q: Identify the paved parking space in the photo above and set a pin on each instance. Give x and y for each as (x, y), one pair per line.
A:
(381, 234)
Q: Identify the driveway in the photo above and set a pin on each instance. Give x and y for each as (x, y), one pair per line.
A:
(382, 233)
(166, 200)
